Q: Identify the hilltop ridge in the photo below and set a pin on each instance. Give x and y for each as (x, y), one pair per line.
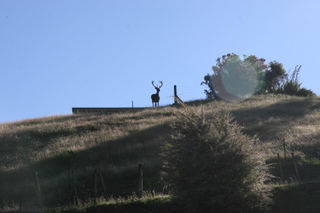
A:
(116, 143)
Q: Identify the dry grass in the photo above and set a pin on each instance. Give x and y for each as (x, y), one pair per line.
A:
(117, 143)
(35, 140)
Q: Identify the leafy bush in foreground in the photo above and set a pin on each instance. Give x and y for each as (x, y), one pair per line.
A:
(211, 166)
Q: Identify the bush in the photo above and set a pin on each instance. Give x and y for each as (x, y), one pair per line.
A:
(211, 166)
(293, 87)
(306, 93)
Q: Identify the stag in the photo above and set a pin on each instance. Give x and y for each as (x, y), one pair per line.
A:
(155, 97)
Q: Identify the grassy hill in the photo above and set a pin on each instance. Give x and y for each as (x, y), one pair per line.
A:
(64, 150)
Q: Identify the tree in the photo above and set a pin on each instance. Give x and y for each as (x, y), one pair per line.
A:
(213, 167)
(210, 93)
(274, 76)
(235, 79)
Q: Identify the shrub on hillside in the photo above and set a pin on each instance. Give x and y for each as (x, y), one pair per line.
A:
(212, 167)
(291, 86)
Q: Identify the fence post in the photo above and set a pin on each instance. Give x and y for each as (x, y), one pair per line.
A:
(284, 150)
(280, 167)
(2, 192)
(295, 165)
(75, 188)
(69, 173)
(103, 185)
(140, 189)
(38, 190)
(22, 191)
(95, 187)
(175, 94)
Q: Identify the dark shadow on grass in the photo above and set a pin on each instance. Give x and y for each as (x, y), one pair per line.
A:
(117, 159)
(297, 198)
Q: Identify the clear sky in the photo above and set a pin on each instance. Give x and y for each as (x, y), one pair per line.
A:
(55, 55)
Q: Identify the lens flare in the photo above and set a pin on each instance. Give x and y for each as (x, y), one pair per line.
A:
(236, 82)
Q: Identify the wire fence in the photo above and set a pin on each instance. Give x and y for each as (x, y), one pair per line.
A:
(29, 192)
(184, 92)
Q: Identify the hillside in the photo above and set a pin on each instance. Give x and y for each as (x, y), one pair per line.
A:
(64, 150)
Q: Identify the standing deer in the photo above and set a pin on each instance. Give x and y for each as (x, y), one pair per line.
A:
(155, 97)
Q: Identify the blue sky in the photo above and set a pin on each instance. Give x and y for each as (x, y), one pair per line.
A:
(55, 55)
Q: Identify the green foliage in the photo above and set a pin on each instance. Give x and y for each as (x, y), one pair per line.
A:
(306, 92)
(274, 76)
(210, 93)
(235, 78)
(291, 86)
(212, 166)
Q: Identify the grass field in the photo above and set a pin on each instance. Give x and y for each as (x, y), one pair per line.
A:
(117, 143)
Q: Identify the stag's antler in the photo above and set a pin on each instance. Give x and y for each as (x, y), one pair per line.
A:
(157, 85)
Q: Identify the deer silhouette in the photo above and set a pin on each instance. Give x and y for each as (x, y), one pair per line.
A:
(155, 97)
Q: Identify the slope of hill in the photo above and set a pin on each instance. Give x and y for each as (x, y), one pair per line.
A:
(67, 150)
